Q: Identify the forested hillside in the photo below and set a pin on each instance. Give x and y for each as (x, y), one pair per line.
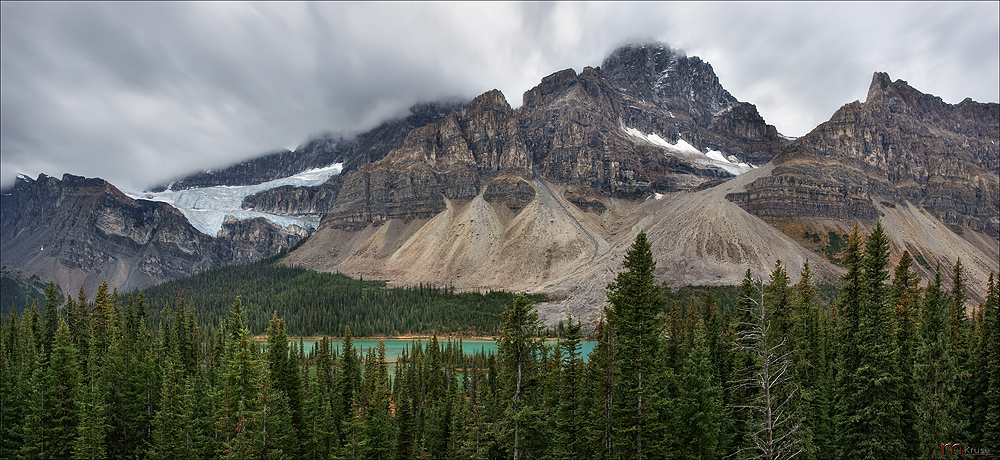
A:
(315, 304)
(892, 370)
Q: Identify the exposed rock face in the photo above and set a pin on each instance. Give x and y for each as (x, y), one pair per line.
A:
(454, 158)
(574, 124)
(80, 231)
(571, 130)
(899, 146)
(353, 151)
(290, 200)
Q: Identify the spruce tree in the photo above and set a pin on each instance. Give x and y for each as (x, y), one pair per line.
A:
(284, 370)
(173, 432)
(601, 379)
(52, 301)
(60, 412)
(904, 300)
(878, 377)
(934, 374)
(571, 442)
(991, 359)
(698, 408)
(849, 435)
(634, 306)
(804, 337)
(517, 352)
(377, 418)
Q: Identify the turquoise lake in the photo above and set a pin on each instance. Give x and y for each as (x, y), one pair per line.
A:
(395, 347)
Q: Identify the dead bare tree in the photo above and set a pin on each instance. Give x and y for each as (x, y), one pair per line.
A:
(773, 430)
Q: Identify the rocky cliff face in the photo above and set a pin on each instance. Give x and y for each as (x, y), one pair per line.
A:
(581, 128)
(645, 124)
(80, 231)
(322, 151)
(455, 158)
(899, 146)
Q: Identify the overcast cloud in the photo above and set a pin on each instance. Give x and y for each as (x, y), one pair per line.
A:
(139, 93)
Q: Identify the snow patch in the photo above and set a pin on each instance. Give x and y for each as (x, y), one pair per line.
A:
(207, 207)
(686, 151)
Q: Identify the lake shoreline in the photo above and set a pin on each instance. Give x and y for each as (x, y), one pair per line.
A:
(264, 337)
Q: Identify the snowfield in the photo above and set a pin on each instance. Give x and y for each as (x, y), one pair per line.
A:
(206, 208)
(689, 153)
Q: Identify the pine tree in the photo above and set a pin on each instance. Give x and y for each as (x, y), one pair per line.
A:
(517, 350)
(60, 413)
(21, 389)
(904, 299)
(174, 429)
(738, 397)
(240, 376)
(52, 302)
(877, 377)
(934, 374)
(698, 406)
(377, 418)
(991, 352)
(848, 436)
(284, 371)
(93, 425)
(319, 438)
(635, 303)
(349, 380)
(571, 442)
(804, 338)
(600, 372)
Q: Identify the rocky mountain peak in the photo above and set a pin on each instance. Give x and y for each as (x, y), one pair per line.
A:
(899, 146)
(671, 79)
(490, 100)
(880, 81)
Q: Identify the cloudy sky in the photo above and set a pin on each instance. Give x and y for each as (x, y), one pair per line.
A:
(139, 93)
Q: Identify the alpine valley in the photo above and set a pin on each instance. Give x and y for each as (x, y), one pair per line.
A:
(548, 197)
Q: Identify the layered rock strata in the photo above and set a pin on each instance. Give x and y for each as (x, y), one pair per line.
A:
(455, 158)
(899, 146)
(80, 232)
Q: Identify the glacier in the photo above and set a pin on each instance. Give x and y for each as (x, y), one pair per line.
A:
(686, 151)
(207, 207)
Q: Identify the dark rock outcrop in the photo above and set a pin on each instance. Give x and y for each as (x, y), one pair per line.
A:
(291, 200)
(322, 151)
(900, 145)
(574, 123)
(454, 158)
(81, 231)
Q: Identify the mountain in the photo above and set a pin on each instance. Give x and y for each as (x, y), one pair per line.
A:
(80, 232)
(548, 197)
(927, 169)
(322, 151)
(651, 142)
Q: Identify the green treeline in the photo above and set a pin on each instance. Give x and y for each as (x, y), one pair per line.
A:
(314, 304)
(891, 370)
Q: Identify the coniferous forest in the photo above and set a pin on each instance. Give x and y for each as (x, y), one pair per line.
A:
(892, 369)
